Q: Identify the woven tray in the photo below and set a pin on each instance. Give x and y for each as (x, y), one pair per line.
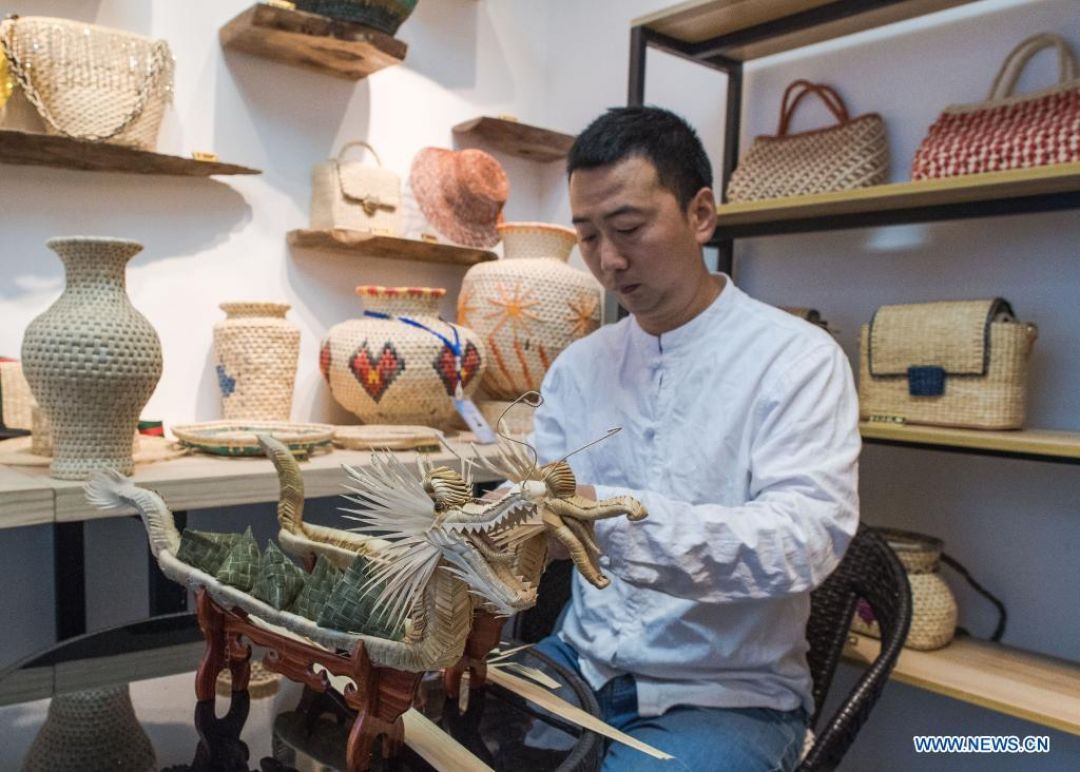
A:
(386, 437)
(239, 438)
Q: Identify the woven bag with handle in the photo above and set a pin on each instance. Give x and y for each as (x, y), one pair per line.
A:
(356, 196)
(87, 82)
(1008, 131)
(852, 154)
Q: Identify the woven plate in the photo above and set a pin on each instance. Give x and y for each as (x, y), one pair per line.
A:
(385, 437)
(238, 438)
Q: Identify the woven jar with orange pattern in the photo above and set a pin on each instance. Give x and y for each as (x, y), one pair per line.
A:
(396, 364)
(528, 306)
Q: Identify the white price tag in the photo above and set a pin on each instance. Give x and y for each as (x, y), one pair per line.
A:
(475, 420)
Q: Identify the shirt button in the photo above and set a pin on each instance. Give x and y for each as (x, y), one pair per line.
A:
(605, 561)
(650, 434)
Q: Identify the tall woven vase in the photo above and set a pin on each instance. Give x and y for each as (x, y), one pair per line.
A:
(92, 360)
(390, 371)
(95, 730)
(257, 353)
(527, 307)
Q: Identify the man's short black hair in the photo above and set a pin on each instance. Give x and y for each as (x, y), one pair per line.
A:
(658, 135)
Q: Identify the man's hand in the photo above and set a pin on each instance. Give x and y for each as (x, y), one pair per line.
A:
(570, 521)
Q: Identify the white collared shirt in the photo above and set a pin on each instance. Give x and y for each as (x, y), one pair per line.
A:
(740, 436)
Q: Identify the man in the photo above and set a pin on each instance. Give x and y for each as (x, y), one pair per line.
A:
(740, 436)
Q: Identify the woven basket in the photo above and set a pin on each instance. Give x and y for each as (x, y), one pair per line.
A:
(852, 154)
(87, 82)
(933, 607)
(1007, 131)
(383, 15)
(257, 353)
(388, 370)
(960, 363)
(356, 196)
(16, 400)
(528, 307)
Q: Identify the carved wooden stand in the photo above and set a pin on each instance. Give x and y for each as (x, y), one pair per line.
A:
(483, 638)
(380, 695)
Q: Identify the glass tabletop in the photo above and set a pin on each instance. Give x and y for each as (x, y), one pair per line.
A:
(125, 699)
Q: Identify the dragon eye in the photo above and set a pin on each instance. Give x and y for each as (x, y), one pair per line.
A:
(446, 487)
(560, 479)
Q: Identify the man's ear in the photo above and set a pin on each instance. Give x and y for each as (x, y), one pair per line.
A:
(702, 215)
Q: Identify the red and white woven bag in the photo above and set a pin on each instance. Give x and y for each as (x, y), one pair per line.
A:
(1006, 131)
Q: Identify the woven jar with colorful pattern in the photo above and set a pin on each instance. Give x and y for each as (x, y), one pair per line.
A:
(397, 364)
(257, 351)
(528, 306)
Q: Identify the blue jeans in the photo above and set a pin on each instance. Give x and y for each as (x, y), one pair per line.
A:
(713, 739)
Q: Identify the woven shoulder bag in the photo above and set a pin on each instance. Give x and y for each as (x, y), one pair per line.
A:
(1008, 131)
(852, 154)
(88, 82)
(356, 196)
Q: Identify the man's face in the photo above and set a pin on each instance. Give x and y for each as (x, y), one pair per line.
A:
(635, 238)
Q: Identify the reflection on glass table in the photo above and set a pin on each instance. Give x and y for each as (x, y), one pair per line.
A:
(125, 699)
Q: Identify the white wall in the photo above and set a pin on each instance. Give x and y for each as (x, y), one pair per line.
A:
(558, 64)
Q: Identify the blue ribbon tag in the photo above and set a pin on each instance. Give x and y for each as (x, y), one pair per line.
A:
(472, 417)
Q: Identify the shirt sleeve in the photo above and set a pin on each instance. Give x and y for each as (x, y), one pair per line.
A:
(802, 511)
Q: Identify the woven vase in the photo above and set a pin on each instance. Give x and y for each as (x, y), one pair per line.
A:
(387, 371)
(92, 360)
(528, 306)
(91, 731)
(257, 352)
(933, 606)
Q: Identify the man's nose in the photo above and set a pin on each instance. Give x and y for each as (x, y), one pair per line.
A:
(611, 260)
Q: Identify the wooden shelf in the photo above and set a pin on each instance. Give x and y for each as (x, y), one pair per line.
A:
(198, 481)
(518, 139)
(1010, 681)
(338, 48)
(368, 244)
(20, 147)
(1041, 189)
(747, 29)
(1038, 445)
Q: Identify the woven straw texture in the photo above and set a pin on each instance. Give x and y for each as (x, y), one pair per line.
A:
(317, 589)
(351, 605)
(92, 360)
(204, 549)
(383, 15)
(852, 154)
(95, 730)
(528, 307)
(356, 196)
(257, 353)
(241, 565)
(90, 82)
(1008, 131)
(933, 608)
(376, 437)
(388, 372)
(994, 400)
(18, 401)
(261, 682)
(279, 580)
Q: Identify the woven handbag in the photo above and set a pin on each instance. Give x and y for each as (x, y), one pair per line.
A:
(87, 82)
(1008, 131)
(933, 607)
(955, 363)
(356, 196)
(852, 154)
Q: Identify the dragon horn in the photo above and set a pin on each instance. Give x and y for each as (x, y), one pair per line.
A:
(290, 481)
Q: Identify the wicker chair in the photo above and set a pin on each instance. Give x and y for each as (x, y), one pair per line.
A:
(869, 570)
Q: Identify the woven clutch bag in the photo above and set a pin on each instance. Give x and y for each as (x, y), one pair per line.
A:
(1006, 131)
(852, 154)
(955, 363)
(87, 82)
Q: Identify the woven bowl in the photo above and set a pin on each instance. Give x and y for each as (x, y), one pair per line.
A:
(240, 438)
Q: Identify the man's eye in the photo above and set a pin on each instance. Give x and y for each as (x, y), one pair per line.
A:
(628, 231)
(587, 239)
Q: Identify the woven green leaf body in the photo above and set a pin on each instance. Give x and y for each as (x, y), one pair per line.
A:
(349, 607)
(384, 15)
(242, 563)
(205, 550)
(279, 580)
(317, 588)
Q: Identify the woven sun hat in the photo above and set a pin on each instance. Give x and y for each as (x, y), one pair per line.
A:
(461, 193)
